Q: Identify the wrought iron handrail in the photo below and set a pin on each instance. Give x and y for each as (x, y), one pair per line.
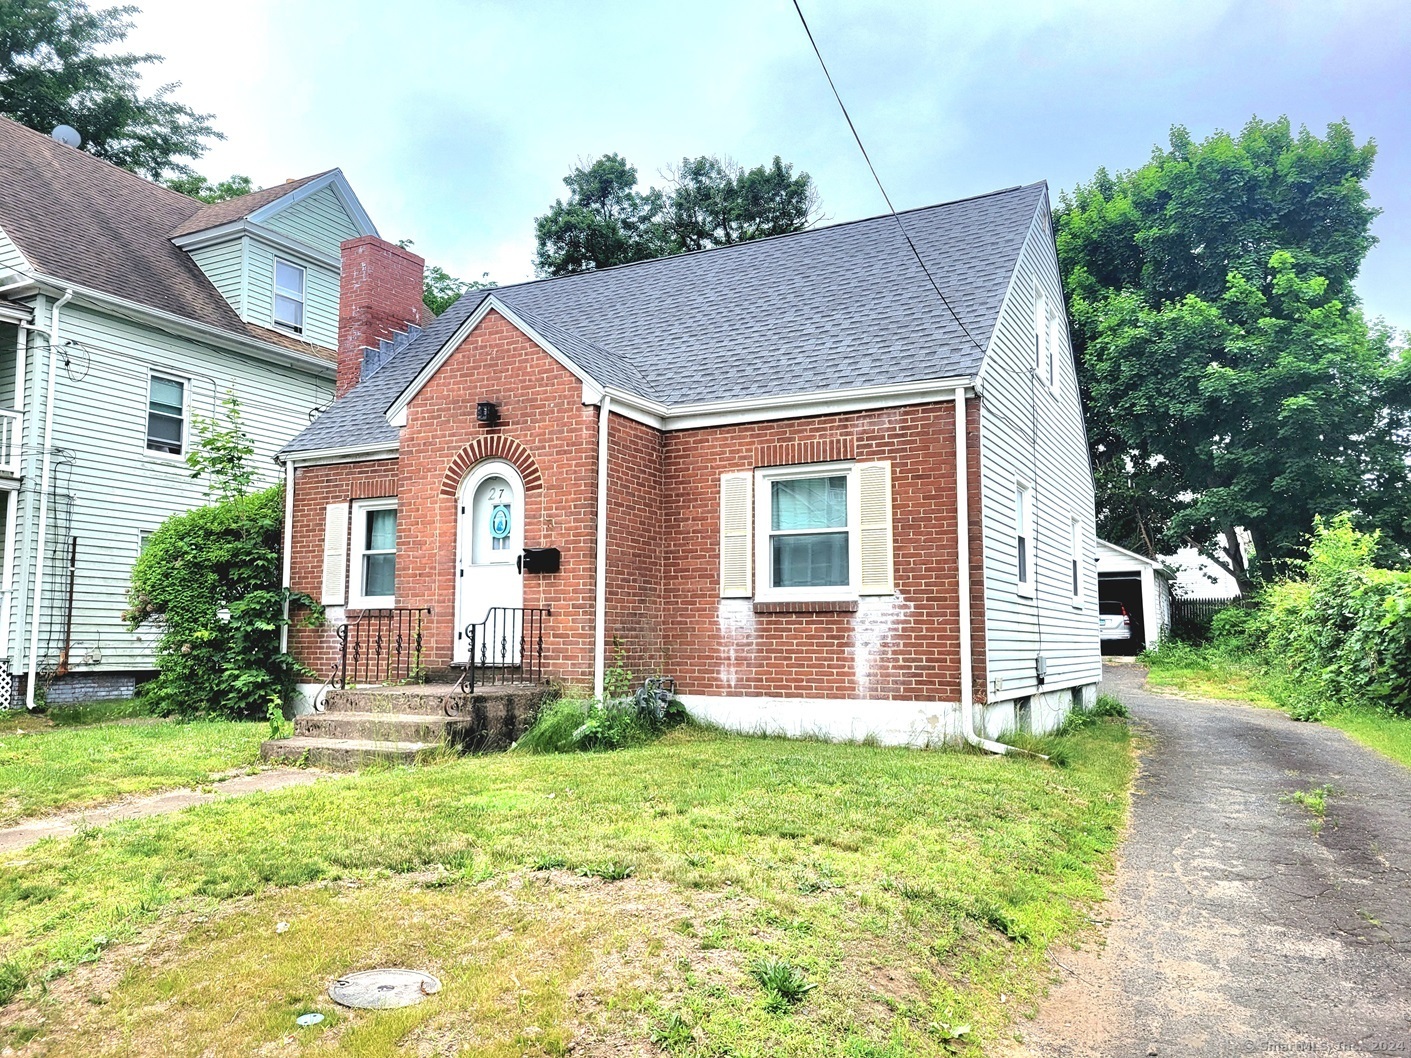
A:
(505, 648)
(381, 646)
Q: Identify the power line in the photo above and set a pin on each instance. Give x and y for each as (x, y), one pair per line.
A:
(885, 197)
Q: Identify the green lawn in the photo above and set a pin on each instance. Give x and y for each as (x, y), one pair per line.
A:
(618, 903)
(1219, 674)
(81, 756)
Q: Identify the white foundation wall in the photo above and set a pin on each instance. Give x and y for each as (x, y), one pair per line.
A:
(887, 722)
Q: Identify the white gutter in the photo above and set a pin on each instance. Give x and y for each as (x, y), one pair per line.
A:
(600, 602)
(288, 557)
(962, 555)
(31, 684)
(187, 328)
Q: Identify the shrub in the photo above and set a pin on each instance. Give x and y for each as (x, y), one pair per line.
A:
(1343, 633)
(210, 580)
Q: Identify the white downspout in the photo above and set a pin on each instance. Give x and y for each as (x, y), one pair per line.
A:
(962, 554)
(600, 601)
(31, 684)
(288, 556)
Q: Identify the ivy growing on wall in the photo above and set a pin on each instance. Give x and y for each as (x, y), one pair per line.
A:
(210, 581)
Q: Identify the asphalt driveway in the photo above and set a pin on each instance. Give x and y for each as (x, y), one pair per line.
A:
(1239, 925)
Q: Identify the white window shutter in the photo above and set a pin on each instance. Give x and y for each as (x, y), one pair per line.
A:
(874, 486)
(335, 554)
(736, 540)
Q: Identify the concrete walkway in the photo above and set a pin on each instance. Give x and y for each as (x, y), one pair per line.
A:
(1238, 927)
(61, 826)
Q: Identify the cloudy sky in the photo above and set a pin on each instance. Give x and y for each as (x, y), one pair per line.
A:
(456, 121)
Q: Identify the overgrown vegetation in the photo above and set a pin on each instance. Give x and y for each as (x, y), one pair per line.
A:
(622, 717)
(1333, 644)
(918, 891)
(210, 579)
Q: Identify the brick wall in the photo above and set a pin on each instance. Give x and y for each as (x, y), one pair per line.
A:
(663, 510)
(314, 489)
(542, 413)
(901, 649)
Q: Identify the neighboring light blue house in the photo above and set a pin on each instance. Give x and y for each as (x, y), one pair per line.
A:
(153, 305)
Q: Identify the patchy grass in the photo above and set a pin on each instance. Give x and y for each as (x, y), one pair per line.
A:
(1315, 801)
(1219, 674)
(64, 760)
(901, 902)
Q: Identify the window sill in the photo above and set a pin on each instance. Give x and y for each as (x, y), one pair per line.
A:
(806, 606)
(374, 602)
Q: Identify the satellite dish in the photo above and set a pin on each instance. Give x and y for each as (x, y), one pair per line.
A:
(67, 135)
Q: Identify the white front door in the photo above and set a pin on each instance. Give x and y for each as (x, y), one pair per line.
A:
(490, 587)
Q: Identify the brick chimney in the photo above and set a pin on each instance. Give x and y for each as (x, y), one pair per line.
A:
(379, 295)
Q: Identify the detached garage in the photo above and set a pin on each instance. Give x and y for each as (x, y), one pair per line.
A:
(1134, 600)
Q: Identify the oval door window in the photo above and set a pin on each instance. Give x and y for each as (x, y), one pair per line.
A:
(494, 524)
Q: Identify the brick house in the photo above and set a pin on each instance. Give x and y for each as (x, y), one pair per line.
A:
(744, 467)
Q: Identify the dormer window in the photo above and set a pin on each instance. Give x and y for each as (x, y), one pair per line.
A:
(289, 296)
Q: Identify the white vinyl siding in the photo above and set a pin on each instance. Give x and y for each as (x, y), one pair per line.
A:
(318, 220)
(320, 294)
(11, 259)
(106, 492)
(1019, 402)
(224, 267)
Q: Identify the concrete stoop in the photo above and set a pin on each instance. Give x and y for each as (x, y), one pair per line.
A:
(396, 724)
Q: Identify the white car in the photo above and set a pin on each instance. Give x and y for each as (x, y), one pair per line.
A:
(1113, 622)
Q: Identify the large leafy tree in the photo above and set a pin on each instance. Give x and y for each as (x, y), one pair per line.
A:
(1230, 378)
(197, 186)
(60, 65)
(709, 202)
(604, 222)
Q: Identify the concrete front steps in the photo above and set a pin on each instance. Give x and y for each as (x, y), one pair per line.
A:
(397, 724)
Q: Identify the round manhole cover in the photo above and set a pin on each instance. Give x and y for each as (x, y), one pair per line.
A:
(383, 989)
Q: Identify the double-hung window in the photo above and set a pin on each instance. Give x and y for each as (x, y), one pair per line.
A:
(809, 541)
(1075, 557)
(1055, 343)
(289, 296)
(817, 532)
(166, 415)
(1024, 538)
(1040, 334)
(374, 529)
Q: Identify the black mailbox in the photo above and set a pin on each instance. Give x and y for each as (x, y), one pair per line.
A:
(542, 559)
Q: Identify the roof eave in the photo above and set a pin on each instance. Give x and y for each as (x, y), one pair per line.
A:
(187, 328)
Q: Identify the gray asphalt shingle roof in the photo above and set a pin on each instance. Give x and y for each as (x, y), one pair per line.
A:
(832, 308)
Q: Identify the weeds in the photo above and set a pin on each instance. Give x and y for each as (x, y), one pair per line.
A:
(1314, 800)
(784, 983)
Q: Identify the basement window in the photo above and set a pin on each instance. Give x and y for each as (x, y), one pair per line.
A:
(289, 296)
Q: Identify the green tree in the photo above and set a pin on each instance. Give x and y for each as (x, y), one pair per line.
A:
(194, 185)
(714, 202)
(59, 65)
(223, 453)
(709, 202)
(1229, 377)
(604, 222)
(440, 290)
